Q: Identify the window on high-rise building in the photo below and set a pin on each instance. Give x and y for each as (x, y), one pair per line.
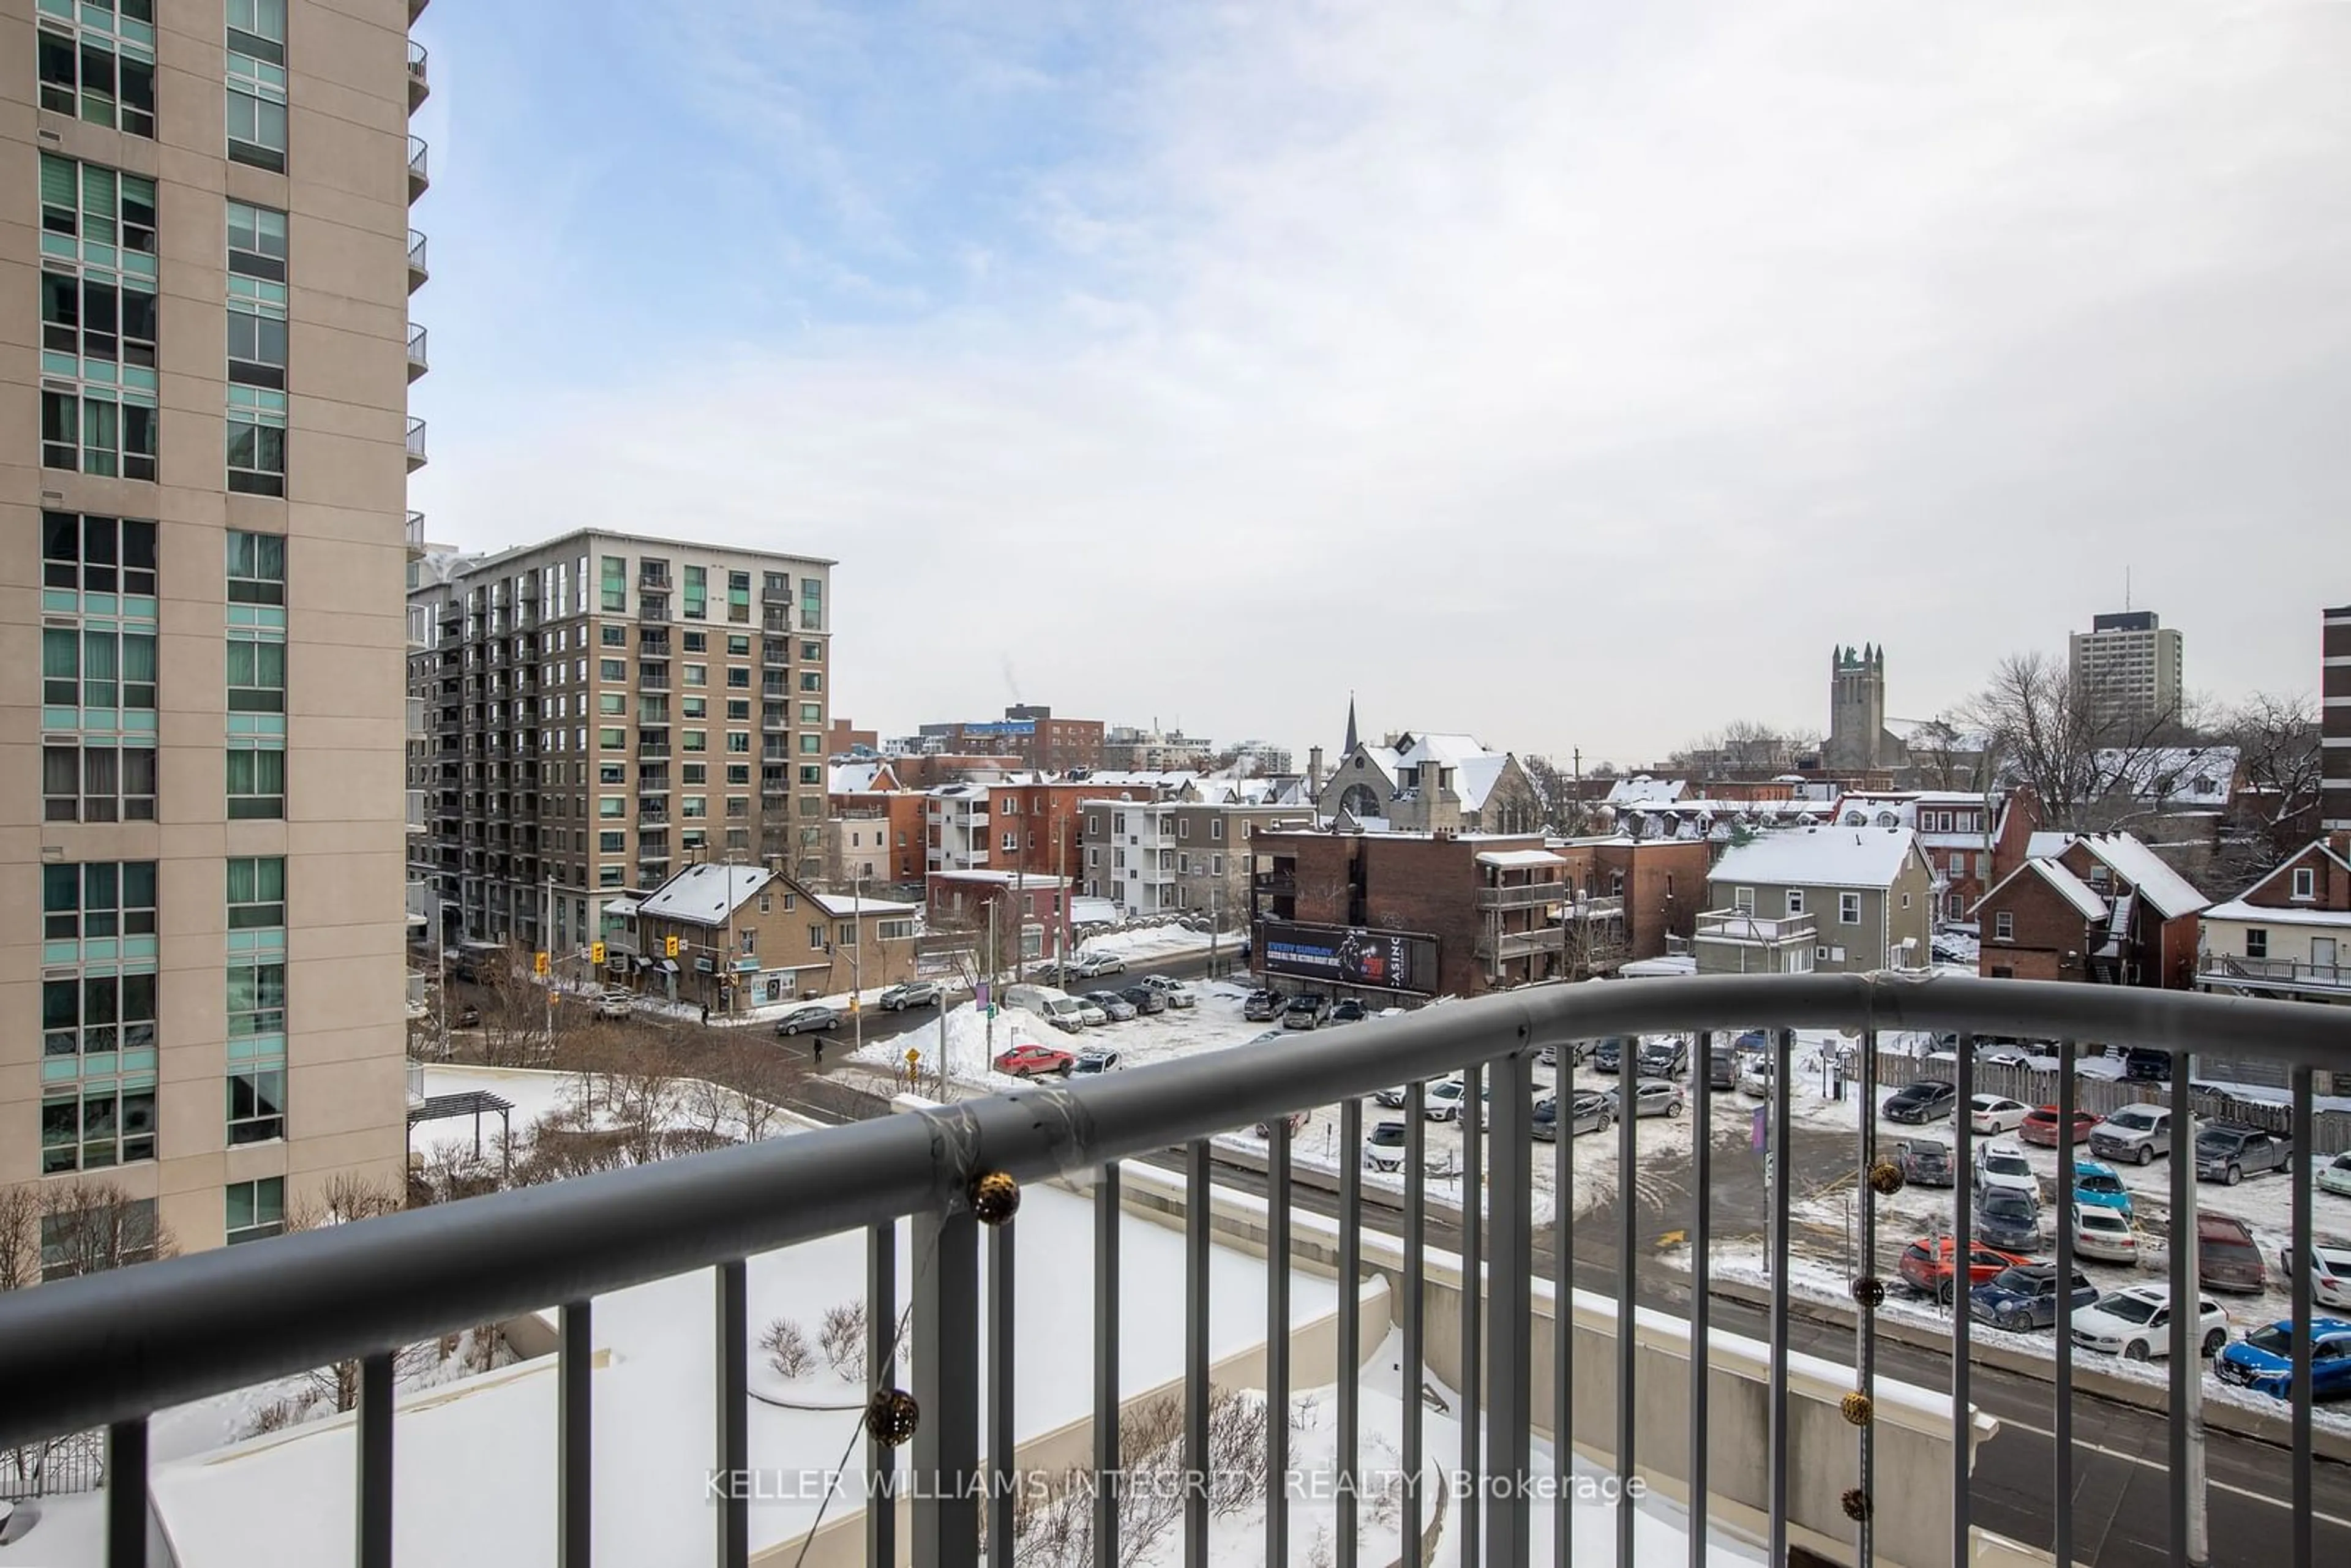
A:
(97, 62)
(256, 568)
(257, 83)
(256, 781)
(738, 596)
(256, 1209)
(99, 319)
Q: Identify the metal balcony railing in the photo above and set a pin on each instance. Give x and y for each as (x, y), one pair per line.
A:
(418, 271)
(415, 444)
(420, 174)
(1889, 1471)
(2228, 971)
(420, 81)
(1523, 895)
(418, 363)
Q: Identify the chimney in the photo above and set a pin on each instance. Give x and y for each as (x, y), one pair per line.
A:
(1313, 770)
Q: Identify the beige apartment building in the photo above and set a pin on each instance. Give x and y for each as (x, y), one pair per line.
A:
(603, 708)
(204, 361)
(2128, 669)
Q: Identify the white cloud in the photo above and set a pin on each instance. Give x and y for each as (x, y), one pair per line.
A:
(1569, 375)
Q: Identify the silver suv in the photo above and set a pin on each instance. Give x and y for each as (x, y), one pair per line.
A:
(2136, 1133)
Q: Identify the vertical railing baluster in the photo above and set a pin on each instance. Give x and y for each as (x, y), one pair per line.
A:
(575, 1475)
(2305, 1500)
(1777, 1504)
(1962, 1250)
(1350, 1457)
(1629, 1245)
(2062, 1417)
(1415, 1287)
(374, 1420)
(947, 1387)
(1510, 1323)
(1473, 1359)
(1198, 1224)
(1563, 1304)
(733, 1437)
(2185, 1287)
(1701, 1312)
(1106, 1378)
(126, 1494)
(1003, 1434)
(1277, 1344)
(881, 1371)
(1864, 1318)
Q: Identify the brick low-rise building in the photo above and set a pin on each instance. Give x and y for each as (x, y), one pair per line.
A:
(2144, 933)
(746, 936)
(2041, 923)
(2289, 935)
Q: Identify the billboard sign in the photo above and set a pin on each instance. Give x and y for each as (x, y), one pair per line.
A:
(1350, 955)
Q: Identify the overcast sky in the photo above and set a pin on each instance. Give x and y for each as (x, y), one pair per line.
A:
(1570, 374)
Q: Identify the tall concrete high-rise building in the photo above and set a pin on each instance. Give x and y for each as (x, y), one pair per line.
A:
(602, 708)
(2334, 717)
(204, 365)
(2127, 667)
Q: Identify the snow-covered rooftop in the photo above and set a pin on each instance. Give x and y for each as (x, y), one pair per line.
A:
(1819, 857)
(1642, 789)
(2170, 892)
(2171, 775)
(703, 895)
(860, 778)
(2072, 888)
(1515, 860)
(2271, 914)
(839, 908)
(2044, 845)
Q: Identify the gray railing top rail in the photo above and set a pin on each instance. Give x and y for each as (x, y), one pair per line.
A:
(114, 1346)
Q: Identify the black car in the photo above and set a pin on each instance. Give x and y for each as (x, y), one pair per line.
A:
(1608, 1055)
(1721, 1068)
(1348, 1011)
(1664, 1058)
(1263, 1006)
(2008, 1219)
(1305, 1010)
(1928, 1099)
(2140, 1066)
(1926, 1162)
(1144, 998)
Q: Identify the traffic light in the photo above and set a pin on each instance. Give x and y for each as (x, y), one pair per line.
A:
(538, 964)
(669, 946)
(596, 953)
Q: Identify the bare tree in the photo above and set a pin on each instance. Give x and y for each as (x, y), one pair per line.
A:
(2277, 742)
(346, 1197)
(1558, 797)
(1941, 758)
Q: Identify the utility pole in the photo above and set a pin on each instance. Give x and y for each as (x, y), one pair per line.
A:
(547, 943)
(1216, 919)
(726, 970)
(857, 959)
(990, 1008)
(441, 961)
(1061, 876)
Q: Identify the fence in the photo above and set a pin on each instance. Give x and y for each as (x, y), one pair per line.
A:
(54, 1467)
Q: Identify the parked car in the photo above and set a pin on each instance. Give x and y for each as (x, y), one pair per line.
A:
(912, 994)
(1392, 1099)
(1996, 1113)
(1348, 1011)
(1651, 1097)
(1721, 1067)
(1296, 1120)
(1593, 1111)
(1177, 992)
(2264, 1360)
(2330, 1273)
(2025, 1297)
(613, 1003)
(2105, 1234)
(1444, 1099)
(2141, 1066)
(2136, 1133)
(1066, 1013)
(1305, 1010)
(1755, 1077)
(1035, 1061)
(1383, 1146)
(1263, 1006)
(1094, 1063)
(1144, 999)
(1667, 1058)
(2042, 1127)
(2226, 1257)
(466, 1017)
(1578, 1053)
(2001, 1167)
(1928, 1099)
(815, 1018)
(1927, 1162)
(2229, 1152)
(1116, 1008)
(2008, 1219)
(1925, 1265)
(2134, 1322)
(1608, 1055)
(2002, 1054)
(2097, 1186)
(2335, 1177)
(1094, 966)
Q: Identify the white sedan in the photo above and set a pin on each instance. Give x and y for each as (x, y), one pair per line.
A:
(1996, 1114)
(2330, 1279)
(2337, 1177)
(2134, 1322)
(2104, 1234)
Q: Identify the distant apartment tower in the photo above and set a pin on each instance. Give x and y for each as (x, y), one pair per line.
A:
(208, 361)
(2335, 724)
(1030, 733)
(2127, 667)
(603, 708)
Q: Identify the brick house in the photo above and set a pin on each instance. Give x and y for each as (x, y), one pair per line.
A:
(2041, 923)
(2288, 935)
(1660, 884)
(1862, 896)
(2146, 935)
(1970, 844)
(958, 901)
(772, 936)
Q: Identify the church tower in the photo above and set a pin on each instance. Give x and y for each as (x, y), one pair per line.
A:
(1856, 708)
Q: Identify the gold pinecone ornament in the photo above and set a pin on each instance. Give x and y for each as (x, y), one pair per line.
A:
(1886, 1178)
(995, 1197)
(1857, 1409)
(892, 1415)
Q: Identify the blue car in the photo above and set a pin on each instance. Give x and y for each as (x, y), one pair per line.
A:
(2025, 1297)
(1608, 1055)
(2262, 1360)
(2097, 1186)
